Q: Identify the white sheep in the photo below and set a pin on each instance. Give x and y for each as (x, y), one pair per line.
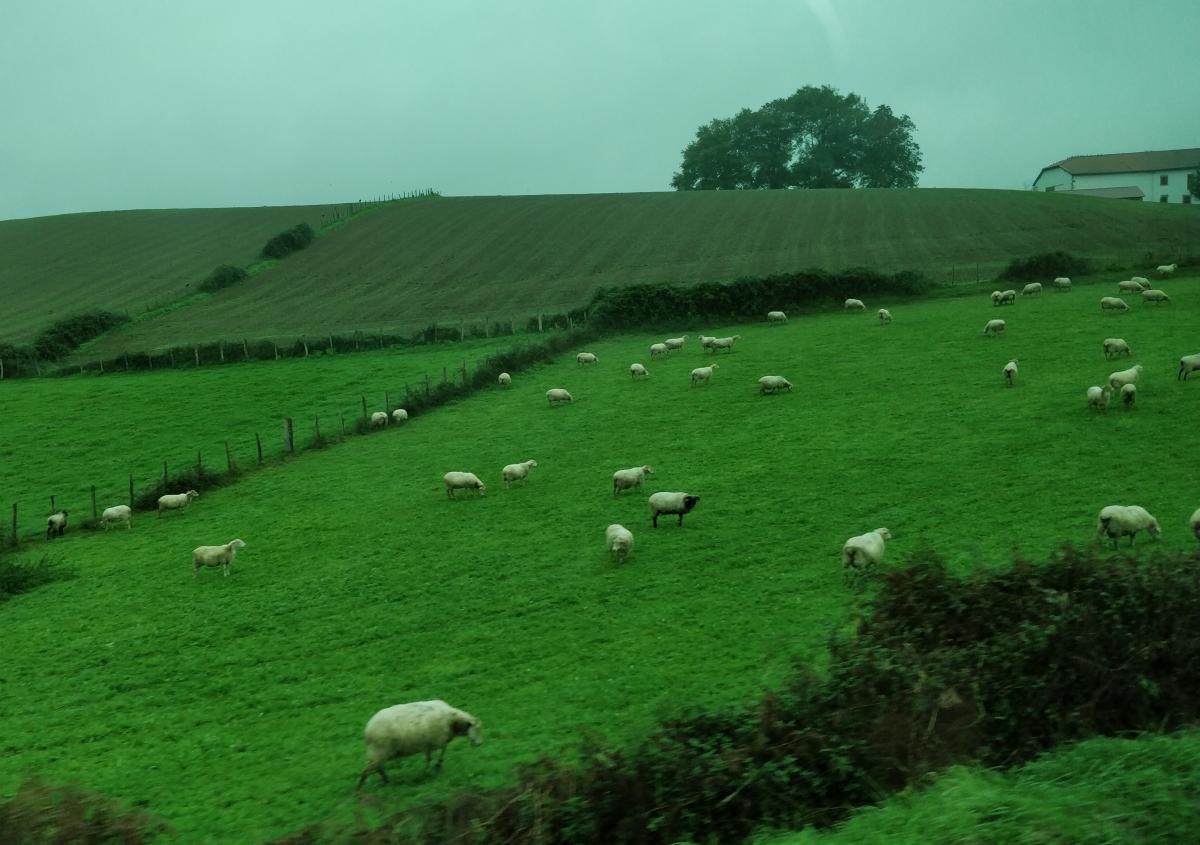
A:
(1122, 377)
(1008, 297)
(1118, 521)
(1010, 372)
(504, 379)
(703, 373)
(399, 416)
(994, 327)
(706, 341)
(1113, 303)
(1188, 364)
(1130, 286)
(724, 343)
(855, 305)
(556, 394)
(1166, 269)
(636, 370)
(885, 316)
(675, 342)
(176, 501)
(411, 728)
(1128, 395)
(463, 481)
(56, 524)
(117, 513)
(1032, 289)
(657, 349)
(585, 359)
(864, 551)
(216, 556)
(379, 419)
(996, 297)
(1195, 522)
(628, 479)
(1141, 280)
(619, 541)
(517, 472)
(671, 504)
(1114, 346)
(776, 317)
(1097, 398)
(773, 384)
(1062, 283)
(1154, 295)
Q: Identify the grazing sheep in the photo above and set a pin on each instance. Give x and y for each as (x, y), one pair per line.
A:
(56, 524)
(1008, 297)
(855, 305)
(1128, 395)
(117, 513)
(671, 504)
(463, 481)
(1114, 346)
(517, 472)
(1010, 372)
(724, 343)
(556, 394)
(1141, 280)
(773, 384)
(628, 479)
(411, 728)
(657, 349)
(1032, 289)
(703, 373)
(1118, 520)
(864, 551)
(674, 343)
(636, 370)
(1112, 303)
(1154, 295)
(1121, 377)
(216, 556)
(994, 327)
(1188, 364)
(176, 501)
(619, 541)
(585, 359)
(996, 297)
(505, 380)
(776, 317)
(885, 316)
(1195, 521)
(1062, 283)
(399, 416)
(1166, 269)
(706, 341)
(379, 419)
(1130, 286)
(1098, 398)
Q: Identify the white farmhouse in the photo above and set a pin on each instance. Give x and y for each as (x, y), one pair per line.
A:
(1157, 175)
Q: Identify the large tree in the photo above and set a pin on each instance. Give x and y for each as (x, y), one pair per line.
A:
(816, 138)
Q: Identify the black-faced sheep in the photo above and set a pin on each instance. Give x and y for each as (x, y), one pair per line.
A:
(671, 504)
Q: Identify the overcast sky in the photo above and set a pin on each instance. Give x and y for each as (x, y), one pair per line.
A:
(155, 104)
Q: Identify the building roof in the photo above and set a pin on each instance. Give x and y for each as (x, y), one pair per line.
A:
(1142, 162)
(1127, 192)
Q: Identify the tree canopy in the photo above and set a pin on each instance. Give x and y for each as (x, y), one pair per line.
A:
(816, 138)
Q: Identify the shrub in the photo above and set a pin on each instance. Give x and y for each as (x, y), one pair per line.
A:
(1048, 265)
(53, 814)
(18, 578)
(289, 241)
(64, 336)
(223, 277)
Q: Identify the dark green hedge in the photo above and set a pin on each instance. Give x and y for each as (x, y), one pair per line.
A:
(222, 277)
(1046, 266)
(62, 337)
(289, 241)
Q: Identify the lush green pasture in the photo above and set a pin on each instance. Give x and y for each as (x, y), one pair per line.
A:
(1100, 792)
(234, 707)
(496, 258)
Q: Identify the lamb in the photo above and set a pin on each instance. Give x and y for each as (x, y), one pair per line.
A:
(1154, 295)
(675, 342)
(1188, 364)
(1008, 297)
(463, 481)
(619, 541)
(885, 316)
(1114, 346)
(671, 504)
(1098, 398)
(56, 524)
(1128, 395)
(1196, 523)
(773, 384)
(724, 343)
(585, 359)
(399, 416)
(176, 501)
(996, 297)
(1062, 283)
(636, 370)
(379, 419)
(1121, 377)
(1010, 372)
(517, 472)
(414, 727)
(1117, 521)
(855, 305)
(556, 394)
(1130, 286)
(776, 317)
(216, 556)
(505, 380)
(864, 551)
(117, 513)
(1166, 269)
(994, 327)
(1141, 280)
(1112, 303)
(657, 349)
(628, 479)
(1032, 289)
(703, 373)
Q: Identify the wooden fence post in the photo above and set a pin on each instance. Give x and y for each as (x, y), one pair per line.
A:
(196, 353)
(427, 385)
(53, 506)
(288, 442)
(331, 349)
(365, 417)
(406, 393)
(221, 350)
(387, 403)
(245, 350)
(199, 464)
(1, 369)
(381, 340)
(539, 322)
(305, 342)
(165, 476)
(131, 490)
(343, 418)
(276, 345)
(317, 427)
(171, 352)
(258, 444)
(102, 368)
(93, 501)
(228, 459)
(126, 362)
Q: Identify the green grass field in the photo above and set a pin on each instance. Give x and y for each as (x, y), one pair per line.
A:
(495, 258)
(234, 707)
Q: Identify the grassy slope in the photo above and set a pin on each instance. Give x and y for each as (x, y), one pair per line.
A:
(501, 257)
(123, 260)
(234, 707)
(1100, 792)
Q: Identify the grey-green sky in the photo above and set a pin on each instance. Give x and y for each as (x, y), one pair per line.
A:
(128, 104)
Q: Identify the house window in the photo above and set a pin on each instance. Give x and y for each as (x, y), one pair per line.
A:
(1187, 199)
(1163, 198)
(1162, 180)
(1051, 188)
(1191, 183)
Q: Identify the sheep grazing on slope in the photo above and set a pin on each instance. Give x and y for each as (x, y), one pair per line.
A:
(1062, 283)
(628, 479)
(1118, 521)
(1129, 286)
(1154, 295)
(1097, 398)
(1166, 269)
(1032, 289)
(56, 524)
(776, 317)
(885, 316)
(379, 419)
(637, 371)
(706, 341)
(504, 380)
(176, 501)
(406, 729)
(1188, 364)
(1123, 377)
(517, 472)
(724, 343)
(1010, 372)
(703, 373)
(1128, 395)
(1114, 346)
(619, 541)
(399, 416)
(585, 359)
(463, 481)
(117, 513)
(1195, 522)
(675, 342)
(855, 305)
(1113, 303)
(671, 504)
(1141, 280)
(216, 556)
(555, 395)
(1008, 297)
(773, 384)
(864, 551)
(994, 327)
(657, 349)
(996, 297)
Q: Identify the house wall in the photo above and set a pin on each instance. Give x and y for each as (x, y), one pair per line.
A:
(1174, 190)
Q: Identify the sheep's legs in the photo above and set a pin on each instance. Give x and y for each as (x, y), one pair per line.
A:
(366, 773)
(681, 519)
(441, 757)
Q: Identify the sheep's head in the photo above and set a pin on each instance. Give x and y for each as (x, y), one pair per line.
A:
(647, 470)
(884, 533)
(531, 462)
(689, 502)
(192, 494)
(468, 726)
(237, 544)
(715, 366)
(1153, 528)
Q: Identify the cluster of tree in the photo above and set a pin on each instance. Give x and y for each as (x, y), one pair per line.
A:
(816, 138)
